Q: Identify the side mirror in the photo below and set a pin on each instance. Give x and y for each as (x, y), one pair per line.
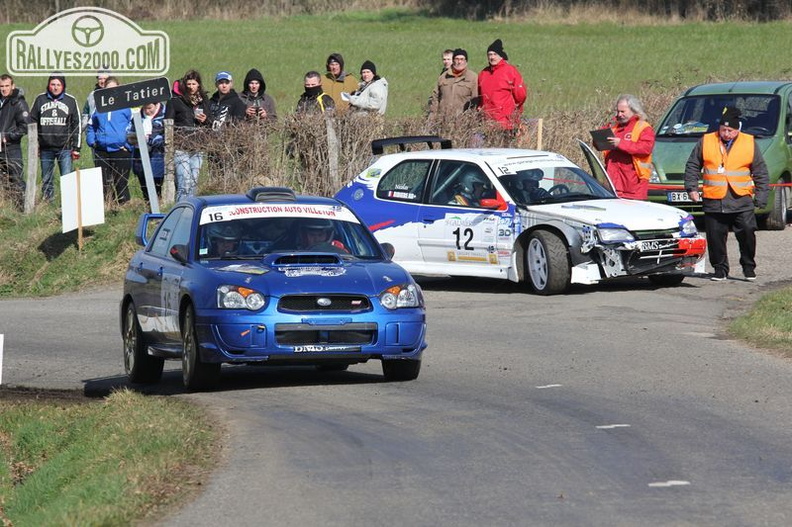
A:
(489, 203)
(147, 224)
(179, 253)
(389, 249)
(496, 203)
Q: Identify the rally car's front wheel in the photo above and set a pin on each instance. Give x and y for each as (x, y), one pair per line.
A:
(196, 374)
(547, 263)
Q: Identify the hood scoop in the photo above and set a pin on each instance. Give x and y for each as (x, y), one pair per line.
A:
(308, 259)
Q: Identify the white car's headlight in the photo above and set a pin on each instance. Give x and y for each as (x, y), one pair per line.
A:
(238, 297)
(688, 227)
(401, 296)
(654, 177)
(614, 235)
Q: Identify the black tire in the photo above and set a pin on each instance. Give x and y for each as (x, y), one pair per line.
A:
(196, 375)
(401, 370)
(141, 368)
(776, 220)
(547, 267)
(666, 280)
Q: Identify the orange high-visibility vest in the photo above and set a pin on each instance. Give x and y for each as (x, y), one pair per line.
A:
(641, 164)
(727, 169)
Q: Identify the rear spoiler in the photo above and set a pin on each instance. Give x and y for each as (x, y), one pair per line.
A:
(378, 145)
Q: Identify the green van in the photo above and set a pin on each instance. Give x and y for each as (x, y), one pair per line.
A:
(766, 114)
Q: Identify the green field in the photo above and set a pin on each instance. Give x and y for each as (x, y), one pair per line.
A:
(52, 456)
(565, 66)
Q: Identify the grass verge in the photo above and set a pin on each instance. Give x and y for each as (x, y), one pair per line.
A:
(768, 324)
(99, 463)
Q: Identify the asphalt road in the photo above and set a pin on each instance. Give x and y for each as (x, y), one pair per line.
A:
(619, 404)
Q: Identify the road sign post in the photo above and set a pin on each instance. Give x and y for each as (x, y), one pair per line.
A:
(130, 96)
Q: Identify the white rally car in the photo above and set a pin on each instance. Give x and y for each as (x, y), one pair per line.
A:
(522, 215)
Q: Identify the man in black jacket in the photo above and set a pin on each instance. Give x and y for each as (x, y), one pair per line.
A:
(226, 105)
(59, 138)
(13, 126)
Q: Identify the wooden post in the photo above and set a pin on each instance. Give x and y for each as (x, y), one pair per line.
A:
(333, 151)
(168, 187)
(32, 168)
(79, 210)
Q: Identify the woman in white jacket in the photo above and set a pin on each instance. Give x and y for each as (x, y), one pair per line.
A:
(372, 93)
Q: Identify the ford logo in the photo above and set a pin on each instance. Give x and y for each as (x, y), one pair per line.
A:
(323, 302)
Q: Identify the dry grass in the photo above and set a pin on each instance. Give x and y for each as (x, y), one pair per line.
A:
(318, 155)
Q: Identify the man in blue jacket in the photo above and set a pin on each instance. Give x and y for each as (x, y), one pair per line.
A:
(107, 135)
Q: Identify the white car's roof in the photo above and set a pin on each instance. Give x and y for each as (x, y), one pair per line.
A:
(489, 155)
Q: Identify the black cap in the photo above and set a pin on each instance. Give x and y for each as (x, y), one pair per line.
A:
(730, 117)
(460, 51)
(497, 47)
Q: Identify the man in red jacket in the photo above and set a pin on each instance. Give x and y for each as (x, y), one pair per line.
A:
(501, 89)
(629, 161)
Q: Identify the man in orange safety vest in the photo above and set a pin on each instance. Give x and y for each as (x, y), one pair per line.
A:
(735, 181)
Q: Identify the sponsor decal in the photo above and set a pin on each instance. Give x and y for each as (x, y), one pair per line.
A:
(314, 271)
(227, 212)
(318, 348)
(84, 40)
(244, 268)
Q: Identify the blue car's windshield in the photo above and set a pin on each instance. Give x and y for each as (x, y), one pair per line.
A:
(696, 116)
(253, 238)
(550, 184)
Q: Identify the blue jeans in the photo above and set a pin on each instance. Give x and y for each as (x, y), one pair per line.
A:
(48, 157)
(188, 165)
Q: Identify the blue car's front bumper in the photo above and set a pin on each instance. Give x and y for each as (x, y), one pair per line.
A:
(226, 336)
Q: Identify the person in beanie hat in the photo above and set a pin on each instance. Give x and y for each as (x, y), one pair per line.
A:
(456, 89)
(735, 183)
(372, 92)
(58, 117)
(501, 89)
(337, 80)
(497, 47)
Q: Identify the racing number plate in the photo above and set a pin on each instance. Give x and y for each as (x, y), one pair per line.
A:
(678, 196)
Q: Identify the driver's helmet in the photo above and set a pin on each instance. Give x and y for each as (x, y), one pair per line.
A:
(530, 178)
(469, 179)
(223, 237)
(314, 231)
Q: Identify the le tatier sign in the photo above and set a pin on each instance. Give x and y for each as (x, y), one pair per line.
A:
(132, 95)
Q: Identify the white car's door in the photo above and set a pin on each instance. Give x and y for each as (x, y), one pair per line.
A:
(458, 227)
(597, 169)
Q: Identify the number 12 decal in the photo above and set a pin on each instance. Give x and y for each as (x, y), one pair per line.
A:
(468, 235)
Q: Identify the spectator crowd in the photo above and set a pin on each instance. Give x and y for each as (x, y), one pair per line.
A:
(497, 92)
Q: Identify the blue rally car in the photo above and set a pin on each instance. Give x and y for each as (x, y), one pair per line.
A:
(268, 277)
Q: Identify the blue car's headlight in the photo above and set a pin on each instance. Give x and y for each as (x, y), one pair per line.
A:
(237, 297)
(401, 296)
(614, 235)
(687, 227)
